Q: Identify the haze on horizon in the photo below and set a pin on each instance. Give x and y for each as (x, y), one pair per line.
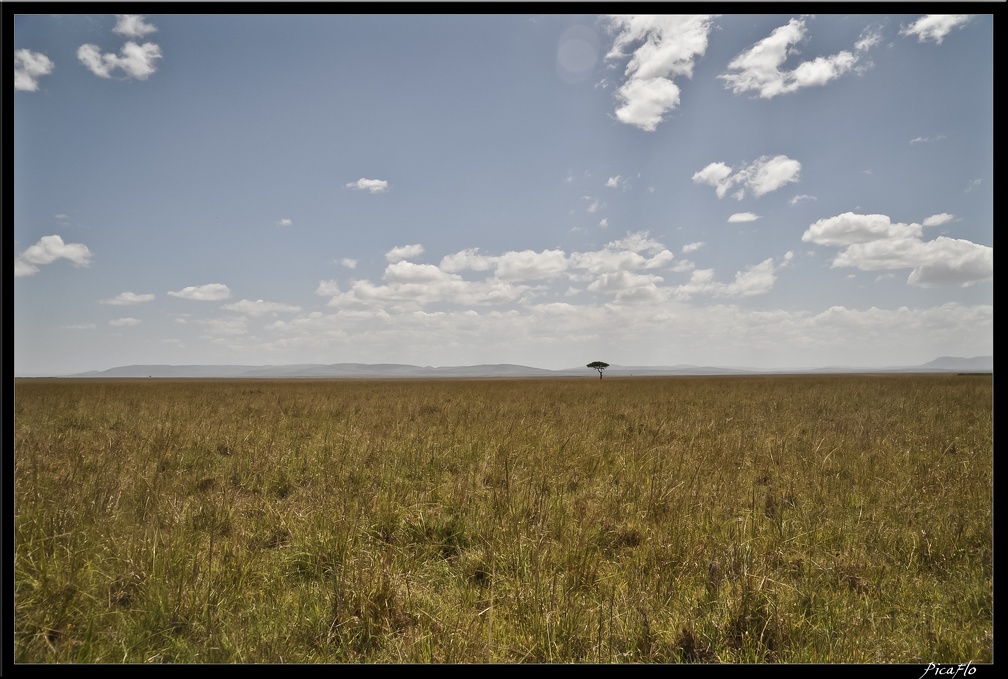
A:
(766, 190)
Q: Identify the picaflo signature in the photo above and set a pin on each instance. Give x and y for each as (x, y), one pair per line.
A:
(950, 671)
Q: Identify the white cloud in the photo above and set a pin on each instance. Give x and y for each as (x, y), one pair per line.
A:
(327, 288)
(415, 286)
(692, 247)
(951, 261)
(938, 220)
(48, 250)
(849, 228)
(212, 292)
(873, 242)
(934, 27)
(717, 175)
(761, 177)
(285, 222)
(28, 68)
(667, 47)
(260, 308)
(371, 185)
(529, 265)
(923, 140)
(769, 174)
(404, 252)
(136, 61)
(133, 26)
(469, 259)
(742, 217)
(625, 269)
(755, 280)
(869, 38)
(127, 298)
(348, 263)
(759, 68)
(124, 322)
(229, 327)
(604, 222)
(799, 198)
(408, 272)
(23, 268)
(614, 182)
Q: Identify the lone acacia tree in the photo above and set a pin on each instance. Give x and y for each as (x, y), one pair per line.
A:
(600, 366)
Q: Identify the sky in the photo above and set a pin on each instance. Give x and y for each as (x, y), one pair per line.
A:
(768, 191)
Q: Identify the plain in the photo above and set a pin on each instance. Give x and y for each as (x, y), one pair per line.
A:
(769, 519)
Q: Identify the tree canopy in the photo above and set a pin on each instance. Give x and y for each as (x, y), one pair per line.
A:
(598, 365)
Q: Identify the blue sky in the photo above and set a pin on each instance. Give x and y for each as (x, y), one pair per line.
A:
(767, 191)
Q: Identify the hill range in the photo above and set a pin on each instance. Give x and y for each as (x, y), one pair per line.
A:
(978, 364)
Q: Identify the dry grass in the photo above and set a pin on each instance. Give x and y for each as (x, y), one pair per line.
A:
(798, 519)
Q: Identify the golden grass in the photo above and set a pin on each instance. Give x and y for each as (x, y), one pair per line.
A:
(798, 519)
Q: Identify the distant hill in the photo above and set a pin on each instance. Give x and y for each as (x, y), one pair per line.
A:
(977, 364)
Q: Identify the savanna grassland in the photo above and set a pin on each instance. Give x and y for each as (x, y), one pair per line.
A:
(755, 519)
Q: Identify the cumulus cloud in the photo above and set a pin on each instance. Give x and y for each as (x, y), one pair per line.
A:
(717, 175)
(742, 217)
(755, 280)
(133, 26)
(874, 242)
(630, 271)
(666, 48)
(135, 61)
(211, 292)
(934, 27)
(371, 185)
(23, 268)
(614, 182)
(48, 250)
(28, 68)
(526, 265)
(404, 252)
(408, 272)
(800, 198)
(938, 220)
(529, 265)
(348, 263)
(127, 298)
(759, 69)
(285, 222)
(761, 177)
(260, 308)
(952, 261)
